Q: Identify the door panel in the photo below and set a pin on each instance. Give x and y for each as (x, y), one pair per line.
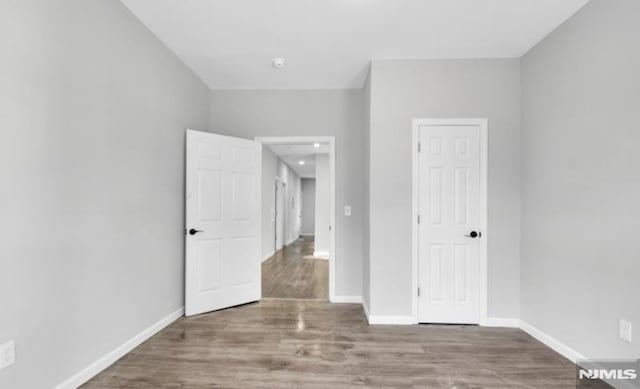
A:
(435, 272)
(210, 199)
(223, 208)
(449, 205)
(243, 194)
(209, 257)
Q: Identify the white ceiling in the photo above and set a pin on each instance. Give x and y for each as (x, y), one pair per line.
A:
(329, 43)
(292, 154)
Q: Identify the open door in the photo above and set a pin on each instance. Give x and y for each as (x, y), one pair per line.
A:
(222, 240)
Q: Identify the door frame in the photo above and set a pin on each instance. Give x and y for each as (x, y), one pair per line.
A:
(281, 140)
(483, 123)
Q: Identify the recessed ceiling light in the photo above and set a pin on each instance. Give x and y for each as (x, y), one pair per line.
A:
(316, 145)
(301, 163)
(279, 63)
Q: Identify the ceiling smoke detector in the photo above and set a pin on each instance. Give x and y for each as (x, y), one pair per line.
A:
(279, 63)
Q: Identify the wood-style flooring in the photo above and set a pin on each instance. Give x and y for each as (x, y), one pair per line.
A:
(280, 343)
(293, 272)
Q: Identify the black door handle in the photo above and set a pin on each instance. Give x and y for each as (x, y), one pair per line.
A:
(474, 234)
(193, 231)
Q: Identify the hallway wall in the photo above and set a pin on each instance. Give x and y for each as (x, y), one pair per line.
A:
(272, 167)
(308, 206)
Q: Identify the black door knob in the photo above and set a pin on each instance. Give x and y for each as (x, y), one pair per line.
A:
(473, 234)
(193, 231)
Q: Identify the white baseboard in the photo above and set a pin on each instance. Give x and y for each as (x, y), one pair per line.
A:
(365, 308)
(305, 234)
(552, 342)
(268, 256)
(96, 367)
(347, 299)
(394, 320)
(408, 320)
(501, 322)
(547, 340)
(320, 254)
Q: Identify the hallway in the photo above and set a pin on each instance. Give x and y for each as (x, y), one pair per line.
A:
(293, 272)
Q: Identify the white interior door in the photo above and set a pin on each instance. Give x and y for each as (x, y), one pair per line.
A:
(449, 206)
(222, 222)
(280, 214)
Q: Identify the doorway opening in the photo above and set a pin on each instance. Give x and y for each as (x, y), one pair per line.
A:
(298, 217)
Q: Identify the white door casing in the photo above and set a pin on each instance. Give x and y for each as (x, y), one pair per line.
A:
(332, 203)
(222, 231)
(451, 207)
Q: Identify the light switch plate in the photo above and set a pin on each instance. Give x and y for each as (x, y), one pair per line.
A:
(7, 354)
(347, 210)
(625, 330)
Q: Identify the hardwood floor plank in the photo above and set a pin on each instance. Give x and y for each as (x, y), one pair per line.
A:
(292, 339)
(293, 272)
(280, 343)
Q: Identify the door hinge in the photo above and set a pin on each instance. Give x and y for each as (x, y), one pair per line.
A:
(418, 291)
(418, 219)
(419, 147)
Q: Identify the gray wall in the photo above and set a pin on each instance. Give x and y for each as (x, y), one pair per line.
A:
(273, 166)
(308, 206)
(402, 91)
(293, 205)
(581, 186)
(93, 112)
(310, 113)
